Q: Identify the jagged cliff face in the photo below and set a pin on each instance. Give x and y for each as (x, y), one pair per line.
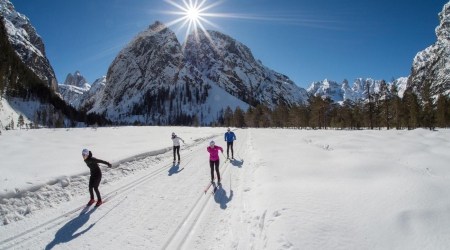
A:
(231, 65)
(201, 78)
(94, 93)
(77, 80)
(150, 64)
(78, 93)
(27, 43)
(433, 65)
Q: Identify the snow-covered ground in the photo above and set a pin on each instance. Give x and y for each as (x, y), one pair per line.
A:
(286, 189)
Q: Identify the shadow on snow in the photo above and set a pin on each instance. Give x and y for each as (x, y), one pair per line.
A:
(175, 169)
(237, 163)
(67, 232)
(220, 196)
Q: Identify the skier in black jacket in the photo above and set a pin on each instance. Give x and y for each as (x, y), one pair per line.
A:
(96, 175)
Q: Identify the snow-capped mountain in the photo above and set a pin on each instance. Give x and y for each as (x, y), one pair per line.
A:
(77, 80)
(432, 64)
(73, 89)
(150, 77)
(78, 93)
(155, 76)
(94, 93)
(231, 65)
(339, 92)
(27, 43)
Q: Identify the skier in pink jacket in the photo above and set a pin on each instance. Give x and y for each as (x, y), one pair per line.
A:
(214, 160)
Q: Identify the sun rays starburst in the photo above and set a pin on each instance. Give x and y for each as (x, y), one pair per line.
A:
(193, 13)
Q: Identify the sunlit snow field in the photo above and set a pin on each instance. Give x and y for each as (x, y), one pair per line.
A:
(286, 189)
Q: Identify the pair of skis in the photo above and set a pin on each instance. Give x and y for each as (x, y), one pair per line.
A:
(215, 186)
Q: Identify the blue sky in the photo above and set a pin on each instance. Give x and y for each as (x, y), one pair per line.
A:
(307, 40)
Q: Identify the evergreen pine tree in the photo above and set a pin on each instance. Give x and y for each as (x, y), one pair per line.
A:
(370, 104)
(428, 106)
(248, 117)
(228, 117)
(238, 118)
(20, 121)
(442, 111)
(396, 105)
(386, 104)
(196, 121)
(44, 117)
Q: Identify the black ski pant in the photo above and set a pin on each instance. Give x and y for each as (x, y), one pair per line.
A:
(94, 182)
(177, 150)
(230, 144)
(215, 164)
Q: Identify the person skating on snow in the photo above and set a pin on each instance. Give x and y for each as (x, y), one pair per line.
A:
(230, 137)
(96, 175)
(176, 146)
(214, 160)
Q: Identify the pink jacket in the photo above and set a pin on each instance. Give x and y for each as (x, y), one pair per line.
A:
(214, 152)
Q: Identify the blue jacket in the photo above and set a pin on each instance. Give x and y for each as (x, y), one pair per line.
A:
(230, 137)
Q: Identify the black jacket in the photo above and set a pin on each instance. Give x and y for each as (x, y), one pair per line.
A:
(92, 163)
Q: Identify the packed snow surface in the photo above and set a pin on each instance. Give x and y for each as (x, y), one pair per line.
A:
(285, 189)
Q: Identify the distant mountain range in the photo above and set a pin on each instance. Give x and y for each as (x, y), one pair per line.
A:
(156, 79)
(340, 92)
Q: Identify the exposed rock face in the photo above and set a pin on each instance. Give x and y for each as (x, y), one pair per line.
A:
(78, 93)
(77, 80)
(150, 64)
(231, 65)
(432, 64)
(196, 77)
(27, 43)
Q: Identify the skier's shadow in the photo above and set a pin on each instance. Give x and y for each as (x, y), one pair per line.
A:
(220, 196)
(67, 232)
(175, 169)
(237, 163)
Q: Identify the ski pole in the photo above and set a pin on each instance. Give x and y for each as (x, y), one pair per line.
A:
(120, 168)
(224, 157)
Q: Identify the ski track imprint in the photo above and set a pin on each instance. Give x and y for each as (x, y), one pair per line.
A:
(27, 203)
(321, 146)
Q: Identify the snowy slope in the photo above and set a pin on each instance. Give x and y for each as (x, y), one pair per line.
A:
(12, 110)
(287, 189)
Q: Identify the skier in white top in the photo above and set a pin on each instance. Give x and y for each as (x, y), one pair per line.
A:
(176, 146)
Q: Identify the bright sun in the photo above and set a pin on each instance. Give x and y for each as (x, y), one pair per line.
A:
(193, 13)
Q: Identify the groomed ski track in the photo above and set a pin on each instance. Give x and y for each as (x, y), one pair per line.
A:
(165, 201)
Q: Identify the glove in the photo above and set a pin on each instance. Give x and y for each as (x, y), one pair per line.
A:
(109, 165)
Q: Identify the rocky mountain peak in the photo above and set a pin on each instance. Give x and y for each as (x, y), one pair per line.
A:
(443, 30)
(432, 65)
(157, 26)
(77, 80)
(231, 65)
(27, 43)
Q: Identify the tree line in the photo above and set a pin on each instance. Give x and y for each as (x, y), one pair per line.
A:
(382, 110)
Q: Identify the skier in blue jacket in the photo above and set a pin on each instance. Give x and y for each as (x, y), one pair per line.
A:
(230, 137)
